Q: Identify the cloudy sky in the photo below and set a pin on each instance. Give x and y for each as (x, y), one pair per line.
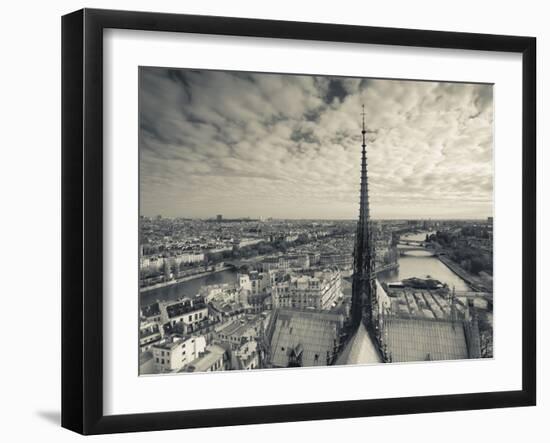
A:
(288, 146)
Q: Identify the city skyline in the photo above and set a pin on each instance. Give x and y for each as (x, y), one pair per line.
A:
(287, 146)
(248, 218)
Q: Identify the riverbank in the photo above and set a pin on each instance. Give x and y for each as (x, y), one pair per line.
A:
(176, 281)
(474, 282)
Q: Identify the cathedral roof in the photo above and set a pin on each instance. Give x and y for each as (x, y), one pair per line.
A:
(310, 334)
(419, 339)
(360, 349)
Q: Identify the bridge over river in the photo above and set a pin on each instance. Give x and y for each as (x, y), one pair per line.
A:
(404, 246)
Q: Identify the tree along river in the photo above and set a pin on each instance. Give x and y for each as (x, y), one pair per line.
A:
(414, 264)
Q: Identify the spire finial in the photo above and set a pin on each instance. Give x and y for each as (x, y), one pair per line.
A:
(364, 130)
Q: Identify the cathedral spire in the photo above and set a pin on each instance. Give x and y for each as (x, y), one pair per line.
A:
(363, 301)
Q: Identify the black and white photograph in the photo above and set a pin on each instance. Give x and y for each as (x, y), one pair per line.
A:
(292, 221)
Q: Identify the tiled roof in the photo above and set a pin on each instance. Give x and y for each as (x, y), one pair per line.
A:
(359, 350)
(314, 333)
(237, 328)
(205, 361)
(418, 339)
(422, 303)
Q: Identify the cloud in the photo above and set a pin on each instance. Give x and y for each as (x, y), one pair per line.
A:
(288, 146)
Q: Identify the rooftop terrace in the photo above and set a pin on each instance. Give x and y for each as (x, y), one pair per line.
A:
(183, 308)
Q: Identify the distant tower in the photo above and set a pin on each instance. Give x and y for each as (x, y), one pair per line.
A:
(363, 300)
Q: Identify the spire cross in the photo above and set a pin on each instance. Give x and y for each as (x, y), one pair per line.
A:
(363, 131)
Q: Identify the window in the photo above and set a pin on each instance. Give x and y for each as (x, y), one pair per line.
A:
(162, 361)
(157, 359)
(162, 353)
(191, 317)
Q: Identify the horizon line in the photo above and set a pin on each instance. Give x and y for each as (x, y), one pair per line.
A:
(319, 218)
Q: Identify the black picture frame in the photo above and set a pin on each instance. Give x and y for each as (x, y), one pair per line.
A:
(82, 220)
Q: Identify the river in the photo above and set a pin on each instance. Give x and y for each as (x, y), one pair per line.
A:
(188, 288)
(414, 264)
(421, 264)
